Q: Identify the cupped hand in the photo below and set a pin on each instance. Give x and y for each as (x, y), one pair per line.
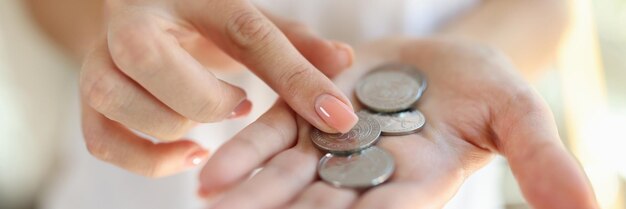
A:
(153, 72)
(476, 106)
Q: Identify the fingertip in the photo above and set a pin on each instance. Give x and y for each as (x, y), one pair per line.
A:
(214, 176)
(350, 121)
(330, 57)
(335, 113)
(225, 102)
(175, 157)
(244, 108)
(345, 54)
(203, 192)
(196, 158)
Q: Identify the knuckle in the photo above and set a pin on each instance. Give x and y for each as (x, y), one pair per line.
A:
(155, 169)
(269, 124)
(96, 148)
(100, 93)
(208, 110)
(154, 166)
(521, 107)
(87, 80)
(526, 100)
(259, 148)
(299, 75)
(175, 129)
(252, 146)
(297, 167)
(288, 170)
(249, 30)
(135, 42)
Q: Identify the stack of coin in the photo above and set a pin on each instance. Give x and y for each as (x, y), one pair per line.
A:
(389, 94)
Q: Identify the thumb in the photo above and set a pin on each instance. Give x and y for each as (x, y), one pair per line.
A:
(548, 175)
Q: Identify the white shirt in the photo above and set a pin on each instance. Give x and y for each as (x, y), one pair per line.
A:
(40, 94)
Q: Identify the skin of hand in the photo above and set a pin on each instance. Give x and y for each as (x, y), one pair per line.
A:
(77, 25)
(476, 106)
(152, 72)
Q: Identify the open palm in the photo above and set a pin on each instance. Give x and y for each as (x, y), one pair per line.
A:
(476, 106)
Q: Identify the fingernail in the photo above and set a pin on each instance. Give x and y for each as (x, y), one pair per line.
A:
(197, 158)
(346, 54)
(203, 192)
(241, 110)
(335, 113)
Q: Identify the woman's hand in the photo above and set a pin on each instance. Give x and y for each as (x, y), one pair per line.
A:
(153, 73)
(476, 106)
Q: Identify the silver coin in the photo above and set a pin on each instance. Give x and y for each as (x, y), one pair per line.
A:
(391, 88)
(397, 124)
(364, 134)
(368, 168)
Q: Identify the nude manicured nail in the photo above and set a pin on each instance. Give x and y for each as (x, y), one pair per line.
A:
(196, 158)
(335, 113)
(242, 109)
(203, 192)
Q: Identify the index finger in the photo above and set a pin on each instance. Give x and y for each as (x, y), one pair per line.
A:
(248, 36)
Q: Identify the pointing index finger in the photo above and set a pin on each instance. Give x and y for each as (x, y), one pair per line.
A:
(248, 36)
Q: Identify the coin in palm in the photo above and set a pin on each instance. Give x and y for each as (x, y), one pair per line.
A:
(368, 168)
(363, 135)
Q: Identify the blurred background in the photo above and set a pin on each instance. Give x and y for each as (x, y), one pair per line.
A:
(586, 89)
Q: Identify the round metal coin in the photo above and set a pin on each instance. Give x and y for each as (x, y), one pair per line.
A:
(391, 88)
(368, 168)
(397, 124)
(364, 134)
